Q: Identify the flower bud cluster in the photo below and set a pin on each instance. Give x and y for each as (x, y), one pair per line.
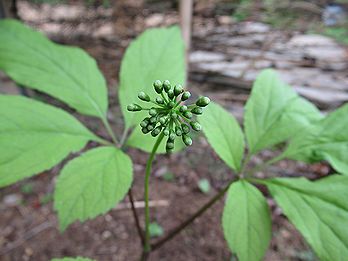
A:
(170, 115)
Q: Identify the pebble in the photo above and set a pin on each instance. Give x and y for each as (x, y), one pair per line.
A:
(12, 200)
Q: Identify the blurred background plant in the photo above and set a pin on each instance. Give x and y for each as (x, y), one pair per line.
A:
(324, 17)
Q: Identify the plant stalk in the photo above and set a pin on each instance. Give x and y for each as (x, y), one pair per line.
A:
(147, 246)
(136, 218)
(109, 130)
(198, 213)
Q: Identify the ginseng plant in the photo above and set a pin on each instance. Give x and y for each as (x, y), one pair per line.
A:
(35, 136)
(170, 118)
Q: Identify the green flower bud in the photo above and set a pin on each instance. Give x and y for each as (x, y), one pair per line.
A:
(170, 94)
(178, 131)
(185, 128)
(197, 110)
(174, 115)
(169, 146)
(162, 120)
(187, 140)
(183, 108)
(172, 136)
(159, 100)
(178, 89)
(185, 96)
(156, 131)
(187, 115)
(153, 112)
(134, 107)
(171, 104)
(166, 131)
(150, 127)
(153, 119)
(195, 125)
(145, 130)
(143, 96)
(203, 101)
(158, 86)
(166, 85)
(145, 122)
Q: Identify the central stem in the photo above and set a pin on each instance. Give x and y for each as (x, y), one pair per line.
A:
(147, 180)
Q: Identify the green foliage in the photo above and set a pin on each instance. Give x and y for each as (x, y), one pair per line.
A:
(319, 210)
(46, 199)
(246, 221)
(326, 140)
(274, 113)
(66, 73)
(156, 230)
(34, 137)
(146, 59)
(224, 135)
(168, 176)
(340, 34)
(204, 186)
(243, 10)
(92, 184)
(27, 188)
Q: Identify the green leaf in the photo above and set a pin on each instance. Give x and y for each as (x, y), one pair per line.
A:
(319, 210)
(34, 137)
(326, 140)
(246, 221)
(155, 230)
(155, 54)
(275, 113)
(92, 184)
(146, 142)
(224, 134)
(72, 259)
(67, 73)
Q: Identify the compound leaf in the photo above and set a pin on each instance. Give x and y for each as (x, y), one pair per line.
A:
(326, 140)
(155, 54)
(319, 210)
(224, 134)
(34, 137)
(246, 221)
(92, 184)
(66, 73)
(275, 113)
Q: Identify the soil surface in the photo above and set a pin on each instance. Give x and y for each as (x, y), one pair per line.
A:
(28, 223)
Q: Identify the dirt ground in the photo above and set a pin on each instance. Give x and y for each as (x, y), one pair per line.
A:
(28, 224)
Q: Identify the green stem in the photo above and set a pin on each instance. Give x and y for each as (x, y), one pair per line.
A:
(147, 246)
(164, 97)
(124, 137)
(109, 130)
(245, 164)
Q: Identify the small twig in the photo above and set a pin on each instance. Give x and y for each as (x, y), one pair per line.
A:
(30, 234)
(141, 204)
(136, 217)
(183, 225)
